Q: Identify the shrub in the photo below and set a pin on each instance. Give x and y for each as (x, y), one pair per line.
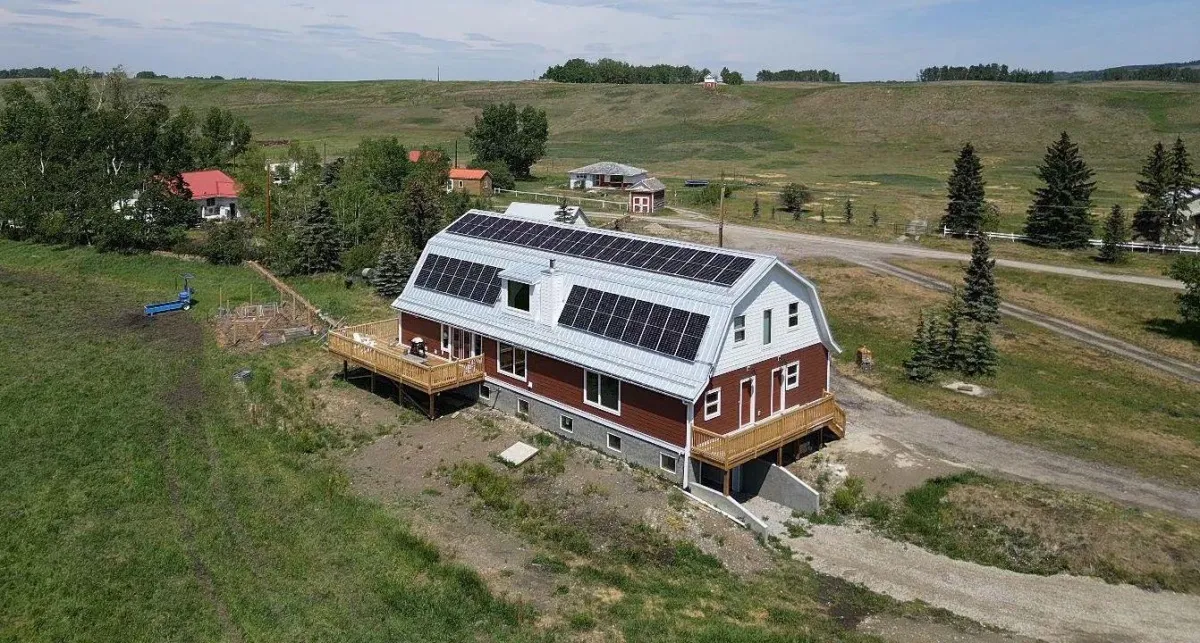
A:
(360, 257)
(228, 242)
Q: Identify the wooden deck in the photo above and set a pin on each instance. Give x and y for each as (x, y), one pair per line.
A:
(730, 450)
(375, 346)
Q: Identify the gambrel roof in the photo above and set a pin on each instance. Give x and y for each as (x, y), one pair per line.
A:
(587, 261)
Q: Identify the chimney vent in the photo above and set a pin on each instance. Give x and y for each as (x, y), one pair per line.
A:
(551, 266)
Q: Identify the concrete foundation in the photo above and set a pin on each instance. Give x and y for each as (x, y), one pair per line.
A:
(774, 483)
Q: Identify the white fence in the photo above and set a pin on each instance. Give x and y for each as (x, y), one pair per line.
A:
(1136, 246)
(556, 198)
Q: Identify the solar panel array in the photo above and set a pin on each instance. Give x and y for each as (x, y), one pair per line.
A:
(689, 263)
(632, 321)
(474, 281)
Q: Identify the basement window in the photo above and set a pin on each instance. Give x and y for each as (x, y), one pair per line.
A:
(566, 424)
(667, 462)
(485, 392)
(522, 408)
(614, 442)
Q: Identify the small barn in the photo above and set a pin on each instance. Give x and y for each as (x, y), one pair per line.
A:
(473, 182)
(648, 196)
(572, 214)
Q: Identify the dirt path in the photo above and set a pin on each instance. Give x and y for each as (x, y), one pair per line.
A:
(1053, 608)
(1171, 366)
(878, 415)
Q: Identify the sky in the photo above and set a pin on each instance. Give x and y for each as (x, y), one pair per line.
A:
(517, 39)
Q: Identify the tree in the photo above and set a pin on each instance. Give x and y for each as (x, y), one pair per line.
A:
(874, 216)
(1187, 270)
(730, 77)
(501, 177)
(965, 193)
(755, 209)
(793, 196)
(848, 212)
(515, 137)
(393, 268)
(951, 344)
(228, 242)
(1060, 215)
(1114, 235)
(1183, 180)
(1150, 219)
(981, 299)
(423, 212)
(222, 137)
(562, 215)
(318, 248)
(919, 367)
(822, 213)
(980, 357)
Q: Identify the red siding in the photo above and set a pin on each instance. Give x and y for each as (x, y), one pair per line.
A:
(642, 410)
(812, 386)
(428, 330)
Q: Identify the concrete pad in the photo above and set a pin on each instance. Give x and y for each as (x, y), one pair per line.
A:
(518, 454)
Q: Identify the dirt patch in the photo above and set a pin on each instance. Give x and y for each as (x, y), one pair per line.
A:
(885, 465)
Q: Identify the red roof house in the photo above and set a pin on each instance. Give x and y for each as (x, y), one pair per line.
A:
(474, 182)
(211, 184)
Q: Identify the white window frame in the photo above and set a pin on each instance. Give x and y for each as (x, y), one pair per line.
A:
(793, 314)
(674, 462)
(609, 442)
(569, 426)
(476, 344)
(739, 326)
(524, 361)
(508, 288)
(485, 392)
(707, 403)
(768, 327)
(791, 376)
(599, 388)
(445, 339)
(522, 402)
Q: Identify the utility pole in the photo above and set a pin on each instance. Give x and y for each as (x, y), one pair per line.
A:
(268, 196)
(456, 152)
(721, 225)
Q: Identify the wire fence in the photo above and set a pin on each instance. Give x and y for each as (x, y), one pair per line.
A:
(1134, 246)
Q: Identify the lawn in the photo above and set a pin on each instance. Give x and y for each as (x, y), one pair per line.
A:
(1049, 392)
(1142, 315)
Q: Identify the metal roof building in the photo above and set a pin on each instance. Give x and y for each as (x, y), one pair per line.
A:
(546, 213)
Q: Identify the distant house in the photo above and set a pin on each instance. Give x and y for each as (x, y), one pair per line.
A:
(1192, 214)
(473, 182)
(647, 196)
(214, 193)
(606, 174)
(546, 213)
(710, 82)
(283, 171)
(415, 156)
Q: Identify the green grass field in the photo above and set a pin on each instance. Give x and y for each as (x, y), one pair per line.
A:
(888, 145)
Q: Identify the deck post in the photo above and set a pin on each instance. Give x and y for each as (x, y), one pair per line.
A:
(726, 479)
(779, 456)
(432, 404)
(345, 371)
(372, 382)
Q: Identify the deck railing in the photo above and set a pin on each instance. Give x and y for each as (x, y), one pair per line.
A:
(732, 449)
(375, 346)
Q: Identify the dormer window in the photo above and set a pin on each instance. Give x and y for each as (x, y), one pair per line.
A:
(518, 295)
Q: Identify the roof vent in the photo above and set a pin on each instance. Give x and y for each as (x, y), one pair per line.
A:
(552, 266)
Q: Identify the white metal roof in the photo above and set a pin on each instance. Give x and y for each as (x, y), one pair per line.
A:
(656, 371)
(649, 184)
(543, 212)
(609, 167)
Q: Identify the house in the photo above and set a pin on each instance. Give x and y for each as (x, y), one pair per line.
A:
(647, 196)
(415, 156)
(283, 172)
(473, 182)
(605, 174)
(215, 193)
(702, 365)
(710, 82)
(547, 213)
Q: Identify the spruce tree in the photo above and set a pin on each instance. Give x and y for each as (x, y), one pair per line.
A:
(874, 216)
(755, 210)
(393, 268)
(319, 247)
(1114, 235)
(980, 355)
(1150, 219)
(919, 367)
(562, 215)
(981, 299)
(822, 214)
(1183, 180)
(953, 343)
(848, 212)
(1060, 216)
(965, 193)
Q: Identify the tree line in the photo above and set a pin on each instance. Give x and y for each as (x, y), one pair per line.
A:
(42, 72)
(84, 144)
(1188, 72)
(994, 72)
(803, 75)
(608, 70)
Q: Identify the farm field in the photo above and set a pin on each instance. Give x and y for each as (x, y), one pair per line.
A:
(150, 497)
(885, 145)
(1049, 392)
(1142, 315)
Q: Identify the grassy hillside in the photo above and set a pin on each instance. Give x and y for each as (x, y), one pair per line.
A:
(889, 145)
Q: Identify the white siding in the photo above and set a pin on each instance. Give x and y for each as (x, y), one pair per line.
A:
(776, 290)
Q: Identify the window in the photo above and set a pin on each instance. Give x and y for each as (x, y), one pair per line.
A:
(476, 345)
(614, 442)
(791, 376)
(793, 314)
(712, 404)
(485, 392)
(445, 338)
(739, 328)
(566, 424)
(766, 327)
(667, 462)
(511, 360)
(518, 295)
(522, 408)
(602, 391)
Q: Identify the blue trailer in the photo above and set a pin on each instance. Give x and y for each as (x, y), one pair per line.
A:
(183, 302)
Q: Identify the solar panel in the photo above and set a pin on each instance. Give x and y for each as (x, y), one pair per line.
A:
(655, 327)
(466, 279)
(690, 263)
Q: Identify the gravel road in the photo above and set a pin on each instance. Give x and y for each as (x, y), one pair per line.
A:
(876, 414)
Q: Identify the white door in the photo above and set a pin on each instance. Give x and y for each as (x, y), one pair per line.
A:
(746, 402)
(777, 391)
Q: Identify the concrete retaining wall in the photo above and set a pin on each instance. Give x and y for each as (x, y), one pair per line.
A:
(729, 507)
(778, 485)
